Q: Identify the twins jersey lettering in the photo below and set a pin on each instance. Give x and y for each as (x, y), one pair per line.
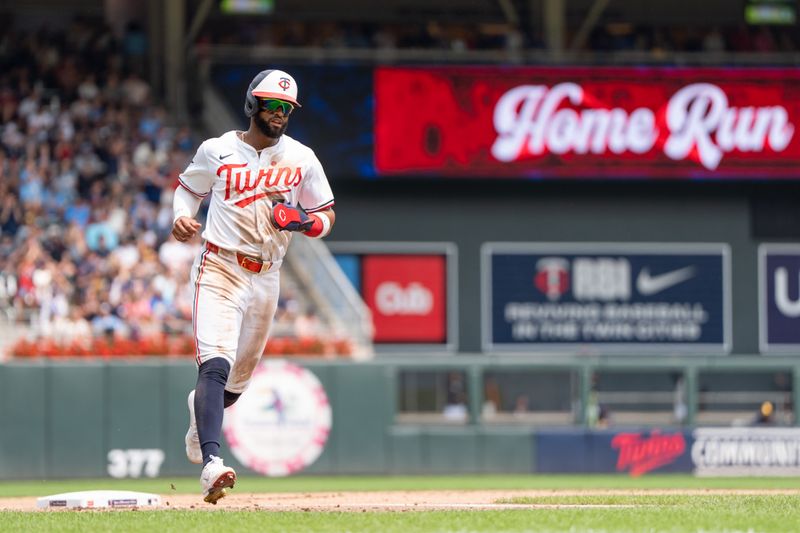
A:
(244, 183)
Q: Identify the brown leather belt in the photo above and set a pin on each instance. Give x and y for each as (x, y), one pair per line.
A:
(247, 263)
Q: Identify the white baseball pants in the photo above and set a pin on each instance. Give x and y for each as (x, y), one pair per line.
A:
(232, 313)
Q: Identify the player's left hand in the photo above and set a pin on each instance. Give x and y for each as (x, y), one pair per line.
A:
(287, 217)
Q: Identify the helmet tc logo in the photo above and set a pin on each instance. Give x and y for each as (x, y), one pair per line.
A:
(284, 83)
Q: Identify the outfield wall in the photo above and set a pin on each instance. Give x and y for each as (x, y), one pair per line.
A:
(70, 419)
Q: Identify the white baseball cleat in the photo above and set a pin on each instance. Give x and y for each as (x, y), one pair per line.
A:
(193, 451)
(215, 478)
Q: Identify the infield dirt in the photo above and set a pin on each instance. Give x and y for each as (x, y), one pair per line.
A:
(394, 500)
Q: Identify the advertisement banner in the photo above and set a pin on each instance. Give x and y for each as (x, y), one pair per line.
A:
(633, 452)
(407, 296)
(410, 289)
(779, 298)
(746, 451)
(548, 122)
(711, 451)
(606, 297)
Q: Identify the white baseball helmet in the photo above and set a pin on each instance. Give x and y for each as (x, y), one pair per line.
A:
(277, 84)
(270, 84)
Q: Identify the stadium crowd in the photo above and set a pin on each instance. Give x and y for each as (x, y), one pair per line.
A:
(88, 165)
(607, 36)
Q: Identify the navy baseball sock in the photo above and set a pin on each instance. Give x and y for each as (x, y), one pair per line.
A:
(209, 404)
(231, 397)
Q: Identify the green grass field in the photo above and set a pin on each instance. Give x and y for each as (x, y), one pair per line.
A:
(776, 508)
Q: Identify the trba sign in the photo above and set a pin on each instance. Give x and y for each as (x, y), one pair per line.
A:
(579, 122)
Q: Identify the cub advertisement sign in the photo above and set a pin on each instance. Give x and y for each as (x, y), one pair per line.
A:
(535, 122)
(606, 297)
(407, 296)
(410, 289)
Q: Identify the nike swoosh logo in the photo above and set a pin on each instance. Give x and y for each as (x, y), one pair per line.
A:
(647, 284)
(224, 156)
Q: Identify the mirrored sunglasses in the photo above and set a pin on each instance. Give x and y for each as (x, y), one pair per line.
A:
(272, 105)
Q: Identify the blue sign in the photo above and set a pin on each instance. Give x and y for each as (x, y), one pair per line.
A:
(351, 266)
(606, 297)
(779, 309)
(635, 452)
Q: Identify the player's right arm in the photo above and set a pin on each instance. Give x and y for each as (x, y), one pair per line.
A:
(194, 184)
(184, 208)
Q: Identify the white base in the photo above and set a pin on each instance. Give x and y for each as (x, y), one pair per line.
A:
(97, 499)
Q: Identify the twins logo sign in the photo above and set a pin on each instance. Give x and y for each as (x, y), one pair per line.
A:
(779, 299)
(606, 297)
(281, 423)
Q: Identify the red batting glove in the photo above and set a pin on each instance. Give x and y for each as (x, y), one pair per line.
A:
(287, 217)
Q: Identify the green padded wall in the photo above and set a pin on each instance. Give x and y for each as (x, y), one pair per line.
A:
(23, 416)
(76, 412)
(62, 418)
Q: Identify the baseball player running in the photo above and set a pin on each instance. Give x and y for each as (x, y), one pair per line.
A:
(264, 185)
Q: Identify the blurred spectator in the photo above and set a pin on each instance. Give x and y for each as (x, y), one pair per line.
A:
(307, 325)
(680, 410)
(135, 90)
(714, 41)
(72, 329)
(521, 404)
(598, 414)
(492, 398)
(764, 41)
(455, 408)
(765, 415)
(10, 212)
(603, 417)
(107, 323)
(134, 44)
(100, 236)
(78, 213)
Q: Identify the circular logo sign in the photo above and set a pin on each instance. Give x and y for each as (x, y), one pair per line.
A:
(281, 424)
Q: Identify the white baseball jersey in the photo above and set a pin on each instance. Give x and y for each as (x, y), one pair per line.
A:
(244, 183)
(234, 307)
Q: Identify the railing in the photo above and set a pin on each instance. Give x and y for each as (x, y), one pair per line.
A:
(626, 400)
(314, 266)
(713, 407)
